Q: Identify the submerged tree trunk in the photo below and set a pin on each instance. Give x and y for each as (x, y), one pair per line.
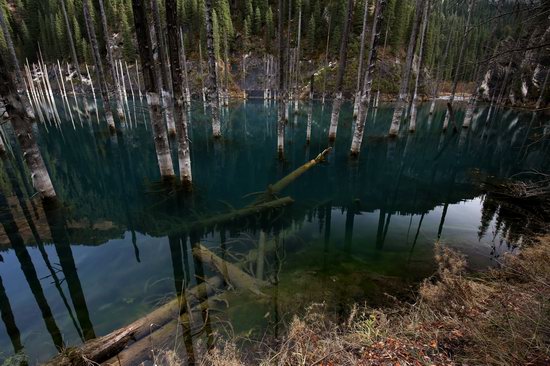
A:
(367, 84)
(184, 155)
(111, 62)
(458, 64)
(361, 61)
(402, 98)
(282, 91)
(414, 105)
(152, 88)
(213, 95)
(90, 28)
(337, 103)
(20, 84)
(23, 131)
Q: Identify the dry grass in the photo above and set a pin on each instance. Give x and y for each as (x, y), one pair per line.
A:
(497, 318)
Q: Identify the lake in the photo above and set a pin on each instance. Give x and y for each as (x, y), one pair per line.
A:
(120, 242)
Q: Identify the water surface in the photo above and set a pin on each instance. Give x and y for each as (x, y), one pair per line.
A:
(120, 243)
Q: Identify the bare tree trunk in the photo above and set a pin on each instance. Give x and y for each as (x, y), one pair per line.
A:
(20, 84)
(90, 28)
(201, 70)
(213, 95)
(403, 96)
(361, 61)
(326, 62)
(111, 62)
(459, 62)
(153, 88)
(476, 94)
(440, 67)
(73, 54)
(166, 94)
(282, 91)
(297, 71)
(187, 92)
(367, 84)
(337, 102)
(225, 70)
(310, 110)
(23, 131)
(414, 106)
(184, 155)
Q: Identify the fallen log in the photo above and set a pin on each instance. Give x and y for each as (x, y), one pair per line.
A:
(277, 187)
(231, 273)
(161, 338)
(101, 349)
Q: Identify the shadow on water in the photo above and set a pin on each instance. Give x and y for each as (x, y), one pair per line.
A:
(121, 241)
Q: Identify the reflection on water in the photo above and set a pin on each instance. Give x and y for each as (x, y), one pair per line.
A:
(121, 241)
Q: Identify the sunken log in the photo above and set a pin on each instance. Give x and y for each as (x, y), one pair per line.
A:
(230, 272)
(188, 323)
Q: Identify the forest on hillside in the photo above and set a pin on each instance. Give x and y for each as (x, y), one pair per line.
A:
(498, 32)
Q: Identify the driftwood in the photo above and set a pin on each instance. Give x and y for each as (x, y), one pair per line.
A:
(231, 273)
(101, 349)
(277, 187)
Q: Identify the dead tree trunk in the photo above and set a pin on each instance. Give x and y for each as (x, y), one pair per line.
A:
(20, 84)
(403, 89)
(90, 28)
(297, 71)
(326, 63)
(23, 131)
(110, 62)
(337, 103)
(184, 155)
(166, 94)
(310, 110)
(459, 62)
(440, 67)
(361, 61)
(213, 95)
(282, 92)
(414, 105)
(367, 84)
(152, 88)
(476, 94)
(73, 54)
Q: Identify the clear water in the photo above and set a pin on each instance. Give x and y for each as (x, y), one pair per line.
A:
(356, 231)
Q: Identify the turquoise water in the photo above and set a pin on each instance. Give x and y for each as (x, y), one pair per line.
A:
(119, 245)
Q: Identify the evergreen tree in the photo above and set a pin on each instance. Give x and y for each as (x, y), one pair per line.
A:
(399, 24)
(249, 9)
(224, 18)
(257, 21)
(128, 50)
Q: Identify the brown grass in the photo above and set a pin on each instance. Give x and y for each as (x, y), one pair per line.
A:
(501, 317)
